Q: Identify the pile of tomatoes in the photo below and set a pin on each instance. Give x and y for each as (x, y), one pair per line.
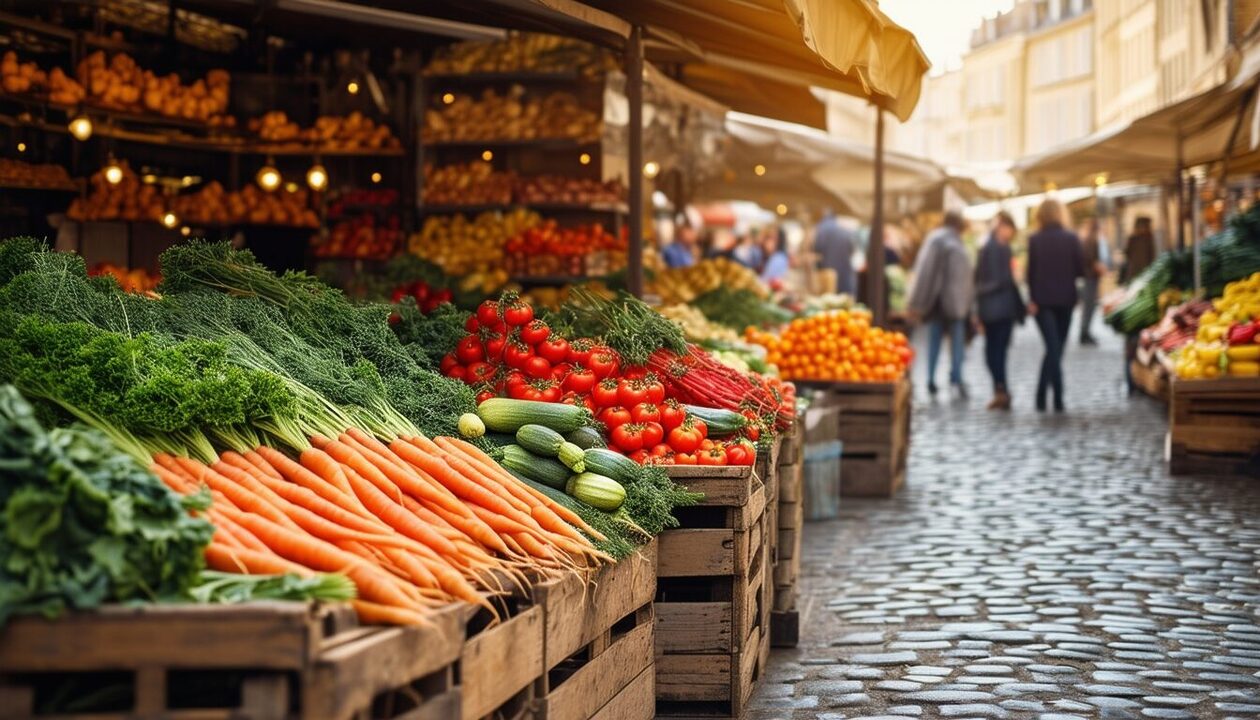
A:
(427, 296)
(836, 346)
(510, 353)
(548, 238)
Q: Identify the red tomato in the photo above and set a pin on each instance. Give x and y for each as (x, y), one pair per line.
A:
(752, 432)
(712, 456)
(660, 450)
(480, 372)
(555, 349)
(655, 390)
(614, 417)
(630, 392)
(628, 437)
(515, 355)
(701, 427)
(646, 412)
(653, 433)
(579, 379)
(535, 332)
(684, 439)
(537, 367)
(737, 454)
(519, 391)
(707, 444)
(488, 314)
(483, 396)
(518, 313)
(398, 294)
(495, 344)
(471, 325)
(684, 459)
(580, 351)
(634, 373)
(640, 456)
(603, 363)
(469, 350)
(448, 361)
(457, 372)
(549, 391)
(530, 393)
(605, 392)
(672, 415)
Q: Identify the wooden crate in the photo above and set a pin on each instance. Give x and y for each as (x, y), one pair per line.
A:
(599, 638)
(712, 605)
(767, 469)
(1150, 380)
(875, 429)
(259, 660)
(501, 663)
(1214, 427)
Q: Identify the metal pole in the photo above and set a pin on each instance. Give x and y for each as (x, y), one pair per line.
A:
(875, 246)
(1196, 213)
(634, 96)
(1181, 199)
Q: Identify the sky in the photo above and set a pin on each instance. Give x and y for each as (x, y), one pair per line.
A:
(943, 27)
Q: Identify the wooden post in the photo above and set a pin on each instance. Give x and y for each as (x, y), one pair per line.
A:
(875, 247)
(634, 96)
(1181, 199)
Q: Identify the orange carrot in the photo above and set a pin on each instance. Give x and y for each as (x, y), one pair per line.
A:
(474, 475)
(469, 490)
(394, 515)
(474, 528)
(300, 496)
(333, 487)
(250, 562)
(241, 497)
(419, 573)
(173, 480)
(258, 461)
(371, 613)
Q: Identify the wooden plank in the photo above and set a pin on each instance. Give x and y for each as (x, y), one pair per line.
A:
(694, 627)
(784, 599)
(870, 477)
(693, 677)
(578, 608)
(1238, 439)
(748, 664)
(445, 706)
(500, 661)
(725, 486)
(602, 679)
(752, 510)
(789, 484)
(689, 553)
(637, 701)
(746, 609)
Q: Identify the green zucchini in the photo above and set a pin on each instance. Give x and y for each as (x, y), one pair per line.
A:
(597, 491)
(612, 464)
(508, 415)
(539, 469)
(549, 443)
(719, 421)
(500, 439)
(586, 437)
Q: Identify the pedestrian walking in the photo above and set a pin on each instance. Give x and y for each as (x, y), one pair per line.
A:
(999, 304)
(941, 296)
(774, 247)
(1094, 248)
(1139, 253)
(681, 253)
(1055, 261)
(834, 245)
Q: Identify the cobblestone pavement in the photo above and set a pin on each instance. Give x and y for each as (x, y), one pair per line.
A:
(1033, 566)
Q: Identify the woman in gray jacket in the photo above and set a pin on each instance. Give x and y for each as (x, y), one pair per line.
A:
(941, 295)
(998, 303)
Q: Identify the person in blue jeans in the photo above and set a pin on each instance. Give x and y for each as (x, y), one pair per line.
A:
(1055, 261)
(998, 303)
(941, 296)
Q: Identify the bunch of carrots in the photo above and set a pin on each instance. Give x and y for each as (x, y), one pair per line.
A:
(415, 523)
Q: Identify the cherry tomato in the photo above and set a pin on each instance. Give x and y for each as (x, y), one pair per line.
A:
(712, 456)
(555, 349)
(640, 456)
(448, 361)
(535, 332)
(518, 313)
(672, 415)
(483, 396)
(653, 433)
(603, 363)
(488, 314)
(630, 392)
(614, 417)
(580, 351)
(684, 458)
(605, 392)
(480, 372)
(471, 325)
(537, 367)
(684, 439)
(469, 350)
(654, 389)
(515, 355)
(495, 344)
(579, 379)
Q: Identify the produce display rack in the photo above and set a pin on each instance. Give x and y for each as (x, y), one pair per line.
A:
(784, 618)
(712, 641)
(545, 207)
(262, 660)
(599, 642)
(1149, 380)
(875, 431)
(500, 664)
(1214, 427)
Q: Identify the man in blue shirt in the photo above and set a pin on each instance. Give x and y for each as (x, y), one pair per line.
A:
(681, 252)
(834, 245)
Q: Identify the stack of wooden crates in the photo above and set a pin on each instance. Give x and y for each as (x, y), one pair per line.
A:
(711, 606)
(875, 430)
(1214, 427)
(786, 547)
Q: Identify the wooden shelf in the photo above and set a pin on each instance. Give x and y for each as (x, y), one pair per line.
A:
(71, 188)
(510, 76)
(612, 208)
(540, 143)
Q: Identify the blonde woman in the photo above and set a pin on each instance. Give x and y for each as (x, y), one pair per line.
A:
(1055, 261)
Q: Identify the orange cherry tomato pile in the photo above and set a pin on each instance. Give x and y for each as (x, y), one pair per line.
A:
(836, 346)
(548, 238)
(362, 236)
(510, 353)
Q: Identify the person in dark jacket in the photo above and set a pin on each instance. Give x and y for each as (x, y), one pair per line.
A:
(1094, 249)
(998, 303)
(1055, 261)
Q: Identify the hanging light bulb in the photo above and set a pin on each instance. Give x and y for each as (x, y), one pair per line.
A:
(781, 209)
(650, 169)
(585, 158)
(352, 87)
(81, 127)
(21, 147)
(448, 98)
(376, 178)
(487, 155)
(290, 187)
(185, 231)
(268, 176)
(113, 171)
(759, 170)
(317, 177)
(170, 219)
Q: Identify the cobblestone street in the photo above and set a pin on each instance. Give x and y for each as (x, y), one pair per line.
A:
(1033, 566)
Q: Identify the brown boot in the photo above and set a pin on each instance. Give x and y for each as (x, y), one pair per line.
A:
(1001, 401)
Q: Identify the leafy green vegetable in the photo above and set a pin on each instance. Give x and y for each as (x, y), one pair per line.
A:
(84, 523)
(432, 336)
(625, 323)
(739, 308)
(221, 587)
